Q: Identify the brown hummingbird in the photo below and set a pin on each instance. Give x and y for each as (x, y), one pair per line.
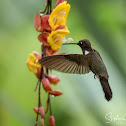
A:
(90, 60)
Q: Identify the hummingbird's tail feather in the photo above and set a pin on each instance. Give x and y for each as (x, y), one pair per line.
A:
(106, 88)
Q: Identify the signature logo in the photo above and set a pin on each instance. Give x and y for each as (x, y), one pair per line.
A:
(115, 118)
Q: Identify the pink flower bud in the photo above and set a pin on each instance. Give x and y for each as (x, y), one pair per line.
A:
(41, 112)
(38, 73)
(49, 51)
(45, 23)
(42, 122)
(35, 109)
(43, 38)
(37, 55)
(46, 84)
(55, 93)
(53, 79)
(51, 120)
(37, 23)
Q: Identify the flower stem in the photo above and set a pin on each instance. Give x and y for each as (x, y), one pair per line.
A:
(37, 85)
(39, 100)
(49, 6)
(50, 108)
(39, 93)
(44, 10)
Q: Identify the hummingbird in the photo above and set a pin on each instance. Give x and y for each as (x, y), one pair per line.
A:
(90, 60)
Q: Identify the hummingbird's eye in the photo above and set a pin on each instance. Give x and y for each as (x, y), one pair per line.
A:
(80, 42)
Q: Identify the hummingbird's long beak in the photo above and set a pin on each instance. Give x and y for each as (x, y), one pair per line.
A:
(69, 43)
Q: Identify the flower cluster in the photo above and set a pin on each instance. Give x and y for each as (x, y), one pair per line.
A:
(53, 29)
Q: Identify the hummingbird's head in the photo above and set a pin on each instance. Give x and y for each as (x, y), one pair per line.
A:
(84, 44)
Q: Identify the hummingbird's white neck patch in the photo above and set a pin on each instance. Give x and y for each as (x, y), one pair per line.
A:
(86, 52)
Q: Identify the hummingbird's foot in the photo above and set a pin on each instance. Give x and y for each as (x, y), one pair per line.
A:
(94, 76)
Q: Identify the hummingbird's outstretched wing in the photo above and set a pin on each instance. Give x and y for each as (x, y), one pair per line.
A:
(72, 63)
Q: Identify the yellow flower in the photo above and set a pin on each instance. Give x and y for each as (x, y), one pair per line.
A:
(33, 63)
(56, 38)
(59, 15)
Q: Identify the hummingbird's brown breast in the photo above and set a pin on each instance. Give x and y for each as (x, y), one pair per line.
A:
(96, 64)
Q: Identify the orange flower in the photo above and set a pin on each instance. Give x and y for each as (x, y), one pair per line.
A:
(59, 15)
(56, 38)
(33, 63)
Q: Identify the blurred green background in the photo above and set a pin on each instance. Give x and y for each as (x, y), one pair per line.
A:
(103, 22)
